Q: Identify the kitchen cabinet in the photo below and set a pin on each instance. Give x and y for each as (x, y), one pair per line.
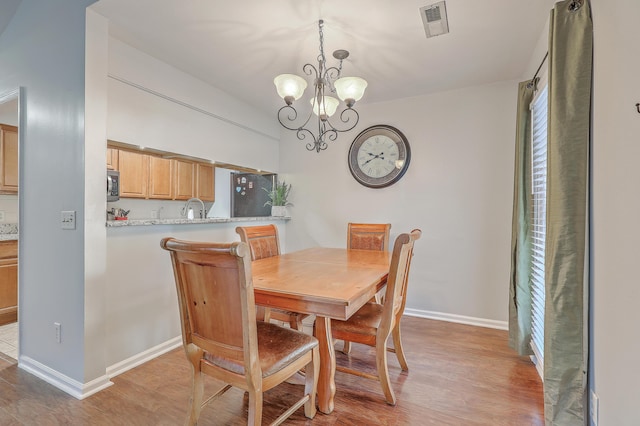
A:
(112, 159)
(150, 175)
(205, 175)
(184, 179)
(8, 159)
(160, 178)
(8, 281)
(134, 174)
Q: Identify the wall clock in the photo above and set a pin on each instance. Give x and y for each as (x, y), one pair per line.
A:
(379, 156)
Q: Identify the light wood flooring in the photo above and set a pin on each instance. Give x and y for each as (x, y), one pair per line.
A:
(458, 375)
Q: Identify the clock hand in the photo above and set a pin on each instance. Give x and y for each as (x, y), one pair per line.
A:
(374, 157)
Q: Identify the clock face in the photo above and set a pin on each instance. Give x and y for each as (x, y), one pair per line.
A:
(379, 156)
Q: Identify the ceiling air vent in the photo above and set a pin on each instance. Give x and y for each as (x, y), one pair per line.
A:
(434, 18)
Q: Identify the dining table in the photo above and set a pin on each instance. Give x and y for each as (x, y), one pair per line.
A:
(330, 283)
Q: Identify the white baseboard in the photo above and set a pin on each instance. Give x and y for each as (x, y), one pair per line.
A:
(461, 319)
(83, 390)
(72, 387)
(143, 357)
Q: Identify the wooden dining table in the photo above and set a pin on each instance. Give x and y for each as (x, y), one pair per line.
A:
(328, 282)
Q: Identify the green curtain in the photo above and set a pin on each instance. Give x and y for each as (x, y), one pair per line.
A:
(567, 239)
(520, 285)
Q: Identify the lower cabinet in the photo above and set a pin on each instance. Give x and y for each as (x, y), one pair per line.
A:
(8, 282)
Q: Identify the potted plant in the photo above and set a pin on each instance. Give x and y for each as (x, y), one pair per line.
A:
(278, 198)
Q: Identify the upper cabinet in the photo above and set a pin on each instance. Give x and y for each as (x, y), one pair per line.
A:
(152, 176)
(161, 178)
(185, 179)
(205, 176)
(134, 174)
(112, 159)
(8, 159)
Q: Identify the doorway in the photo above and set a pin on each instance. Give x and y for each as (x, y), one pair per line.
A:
(9, 226)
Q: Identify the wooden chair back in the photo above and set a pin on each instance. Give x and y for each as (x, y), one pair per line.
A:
(216, 300)
(263, 240)
(220, 332)
(368, 236)
(395, 295)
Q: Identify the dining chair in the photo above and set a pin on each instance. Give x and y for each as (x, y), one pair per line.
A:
(367, 236)
(264, 242)
(221, 336)
(374, 323)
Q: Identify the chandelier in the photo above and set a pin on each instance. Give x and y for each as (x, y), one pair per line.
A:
(290, 87)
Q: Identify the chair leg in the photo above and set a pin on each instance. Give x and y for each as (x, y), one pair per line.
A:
(397, 344)
(383, 372)
(194, 355)
(347, 347)
(312, 371)
(295, 322)
(255, 408)
(197, 390)
(263, 314)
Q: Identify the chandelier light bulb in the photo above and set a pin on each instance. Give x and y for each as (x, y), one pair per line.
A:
(290, 86)
(327, 107)
(350, 89)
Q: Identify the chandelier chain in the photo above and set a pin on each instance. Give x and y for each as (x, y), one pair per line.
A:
(321, 58)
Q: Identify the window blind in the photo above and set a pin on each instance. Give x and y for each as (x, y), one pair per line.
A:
(538, 222)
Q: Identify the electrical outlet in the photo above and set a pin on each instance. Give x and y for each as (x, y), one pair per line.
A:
(154, 214)
(58, 328)
(1, 215)
(68, 219)
(593, 407)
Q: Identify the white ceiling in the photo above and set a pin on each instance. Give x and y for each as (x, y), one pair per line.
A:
(241, 45)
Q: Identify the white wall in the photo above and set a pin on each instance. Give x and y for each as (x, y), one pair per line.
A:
(169, 110)
(616, 150)
(458, 190)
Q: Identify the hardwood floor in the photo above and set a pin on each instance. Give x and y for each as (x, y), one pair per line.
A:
(458, 375)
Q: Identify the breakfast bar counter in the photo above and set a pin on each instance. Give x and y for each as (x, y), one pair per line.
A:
(183, 221)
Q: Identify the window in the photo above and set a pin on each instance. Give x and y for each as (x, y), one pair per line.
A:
(538, 221)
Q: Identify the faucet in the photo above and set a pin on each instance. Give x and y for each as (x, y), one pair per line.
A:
(185, 209)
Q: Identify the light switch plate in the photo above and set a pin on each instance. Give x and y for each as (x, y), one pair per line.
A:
(68, 219)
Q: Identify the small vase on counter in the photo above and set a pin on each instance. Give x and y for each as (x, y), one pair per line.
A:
(278, 211)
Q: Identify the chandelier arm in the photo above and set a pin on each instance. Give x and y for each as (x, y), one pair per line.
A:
(291, 117)
(310, 69)
(346, 116)
(330, 134)
(315, 144)
(331, 74)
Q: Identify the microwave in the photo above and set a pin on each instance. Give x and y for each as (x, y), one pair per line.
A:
(113, 185)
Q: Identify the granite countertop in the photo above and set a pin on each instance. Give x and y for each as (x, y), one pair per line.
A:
(181, 221)
(8, 231)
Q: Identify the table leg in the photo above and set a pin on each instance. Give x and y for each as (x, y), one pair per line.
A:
(326, 379)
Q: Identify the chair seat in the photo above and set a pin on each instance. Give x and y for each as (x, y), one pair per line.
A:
(277, 348)
(364, 322)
